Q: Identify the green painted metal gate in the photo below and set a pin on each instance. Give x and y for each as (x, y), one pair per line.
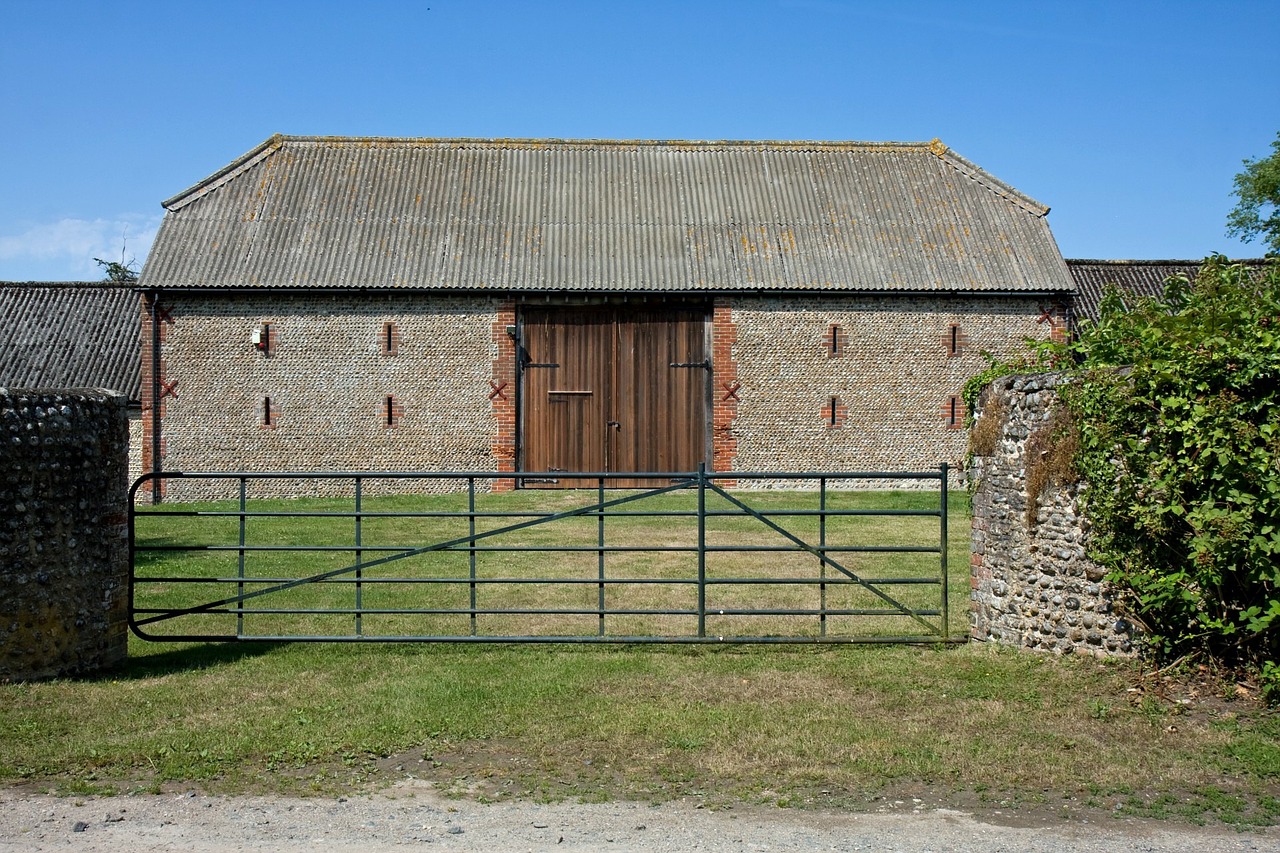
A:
(695, 558)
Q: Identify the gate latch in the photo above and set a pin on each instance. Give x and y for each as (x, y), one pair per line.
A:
(705, 364)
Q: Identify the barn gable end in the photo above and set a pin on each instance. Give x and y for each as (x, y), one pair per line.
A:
(846, 292)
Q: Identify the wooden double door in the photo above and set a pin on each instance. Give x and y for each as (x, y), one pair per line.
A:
(613, 389)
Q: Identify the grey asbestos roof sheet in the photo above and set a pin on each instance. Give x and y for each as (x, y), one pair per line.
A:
(70, 335)
(556, 215)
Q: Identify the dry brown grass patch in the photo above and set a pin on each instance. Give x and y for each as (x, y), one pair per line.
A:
(984, 438)
(1050, 456)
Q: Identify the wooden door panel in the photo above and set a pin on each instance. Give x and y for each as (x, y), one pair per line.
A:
(660, 409)
(612, 402)
(565, 392)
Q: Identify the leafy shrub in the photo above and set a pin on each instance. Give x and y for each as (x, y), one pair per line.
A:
(1040, 356)
(1177, 405)
(1270, 679)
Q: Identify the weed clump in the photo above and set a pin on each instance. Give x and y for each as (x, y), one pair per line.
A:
(1051, 457)
(984, 438)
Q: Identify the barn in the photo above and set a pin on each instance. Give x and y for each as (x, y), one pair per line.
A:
(546, 306)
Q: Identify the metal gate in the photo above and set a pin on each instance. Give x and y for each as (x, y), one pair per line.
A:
(695, 558)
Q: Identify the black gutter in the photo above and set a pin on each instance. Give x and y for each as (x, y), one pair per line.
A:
(155, 393)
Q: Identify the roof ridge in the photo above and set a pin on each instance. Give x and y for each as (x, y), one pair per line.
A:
(68, 285)
(834, 144)
(982, 176)
(1117, 262)
(280, 140)
(225, 174)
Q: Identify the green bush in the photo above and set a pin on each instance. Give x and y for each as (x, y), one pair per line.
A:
(1177, 402)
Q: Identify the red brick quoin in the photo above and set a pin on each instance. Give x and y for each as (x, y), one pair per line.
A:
(502, 397)
(835, 413)
(149, 387)
(725, 388)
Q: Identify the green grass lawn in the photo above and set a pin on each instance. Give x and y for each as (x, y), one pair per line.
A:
(831, 725)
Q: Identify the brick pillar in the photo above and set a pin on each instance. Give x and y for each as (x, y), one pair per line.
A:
(150, 306)
(725, 388)
(502, 396)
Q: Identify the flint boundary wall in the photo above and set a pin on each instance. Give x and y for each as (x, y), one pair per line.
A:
(1033, 586)
(64, 565)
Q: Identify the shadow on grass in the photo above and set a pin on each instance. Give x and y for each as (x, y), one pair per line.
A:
(188, 658)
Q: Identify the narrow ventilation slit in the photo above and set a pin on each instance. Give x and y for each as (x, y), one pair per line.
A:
(266, 411)
(953, 412)
(834, 341)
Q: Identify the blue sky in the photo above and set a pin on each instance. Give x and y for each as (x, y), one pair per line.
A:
(1129, 119)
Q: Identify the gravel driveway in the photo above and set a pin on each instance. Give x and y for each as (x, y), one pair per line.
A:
(409, 816)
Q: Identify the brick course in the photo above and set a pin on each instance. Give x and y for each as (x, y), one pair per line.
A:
(724, 388)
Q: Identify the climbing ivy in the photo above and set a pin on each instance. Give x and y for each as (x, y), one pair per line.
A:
(1177, 402)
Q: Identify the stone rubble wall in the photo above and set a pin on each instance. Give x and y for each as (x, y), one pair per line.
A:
(64, 562)
(1034, 586)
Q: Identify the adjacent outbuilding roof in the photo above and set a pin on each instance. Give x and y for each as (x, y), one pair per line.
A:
(70, 335)
(604, 216)
(1133, 278)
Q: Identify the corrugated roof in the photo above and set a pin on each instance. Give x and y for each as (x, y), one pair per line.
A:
(616, 216)
(70, 335)
(1133, 278)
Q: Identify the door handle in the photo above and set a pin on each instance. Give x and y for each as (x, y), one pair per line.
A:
(613, 424)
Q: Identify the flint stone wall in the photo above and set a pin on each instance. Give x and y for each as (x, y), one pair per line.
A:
(327, 378)
(892, 376)
(63, 532)
(1033, 586)
(894, 364)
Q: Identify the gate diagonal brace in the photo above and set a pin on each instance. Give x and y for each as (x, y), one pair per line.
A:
(885, 597)
(413, 552)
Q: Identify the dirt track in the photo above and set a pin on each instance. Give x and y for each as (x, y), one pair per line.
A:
(412, 816)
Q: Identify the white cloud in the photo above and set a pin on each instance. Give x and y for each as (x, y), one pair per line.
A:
(67, 247)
